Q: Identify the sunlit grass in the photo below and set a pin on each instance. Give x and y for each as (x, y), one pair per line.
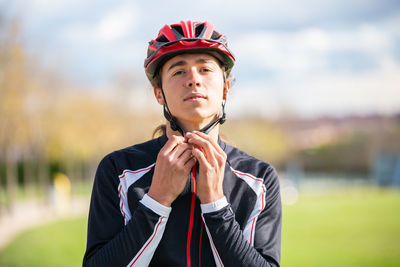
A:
(347, 227)
(57, 244)
(343, 228)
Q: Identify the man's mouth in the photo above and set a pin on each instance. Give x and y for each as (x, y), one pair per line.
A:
(193, 97)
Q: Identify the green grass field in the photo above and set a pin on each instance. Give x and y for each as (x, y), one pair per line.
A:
(57, 244)
(344, 227)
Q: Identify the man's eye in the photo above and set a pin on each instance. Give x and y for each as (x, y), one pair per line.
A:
(179, 72)
(206, 69)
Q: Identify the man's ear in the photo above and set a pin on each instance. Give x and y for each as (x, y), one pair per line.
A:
(226, 91)
(158, 95)
(230, 80)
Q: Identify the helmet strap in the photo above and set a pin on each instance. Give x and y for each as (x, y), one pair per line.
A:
(220, 119)
(167, 113)
(174, 124)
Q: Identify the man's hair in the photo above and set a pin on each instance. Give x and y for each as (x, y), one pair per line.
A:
(159, 130)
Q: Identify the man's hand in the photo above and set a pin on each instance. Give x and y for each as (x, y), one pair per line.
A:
(173, 165)
(211, 160)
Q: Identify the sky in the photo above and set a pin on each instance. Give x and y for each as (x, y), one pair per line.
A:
(305, 58)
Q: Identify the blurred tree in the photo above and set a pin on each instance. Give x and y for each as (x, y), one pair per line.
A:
(14, 132)
(260, 138)
(355, 148)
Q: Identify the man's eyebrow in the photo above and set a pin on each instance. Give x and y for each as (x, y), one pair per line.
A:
(177, 64)
(204, 60)
(182, 62)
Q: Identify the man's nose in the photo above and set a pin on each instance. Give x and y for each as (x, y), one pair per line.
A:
(194, 79)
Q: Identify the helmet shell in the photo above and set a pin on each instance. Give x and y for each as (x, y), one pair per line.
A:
(186, 37)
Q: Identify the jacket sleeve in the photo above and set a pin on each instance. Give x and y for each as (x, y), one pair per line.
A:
(109, 241)
(230, 248)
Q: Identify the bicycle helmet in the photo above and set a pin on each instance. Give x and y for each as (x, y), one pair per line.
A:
(186, 37)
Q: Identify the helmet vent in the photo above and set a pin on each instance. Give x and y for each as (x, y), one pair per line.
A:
(215, 35)
(162, 39)
(198, 29)
(177, 29)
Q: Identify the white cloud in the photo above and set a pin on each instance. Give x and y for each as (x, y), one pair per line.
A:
(118, 23)
(77, 33)
(304, 81)
(310, 49)
(254, 99)
(310, 95)
(368, 92)
(49, 8)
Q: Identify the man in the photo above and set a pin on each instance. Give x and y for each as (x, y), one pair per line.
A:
(185, 198)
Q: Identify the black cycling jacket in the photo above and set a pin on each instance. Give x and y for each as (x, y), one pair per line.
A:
(128, 228)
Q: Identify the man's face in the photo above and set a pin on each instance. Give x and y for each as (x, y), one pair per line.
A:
(193, 85)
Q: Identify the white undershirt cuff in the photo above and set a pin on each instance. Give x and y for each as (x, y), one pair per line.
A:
(214, 206)
(155, 206)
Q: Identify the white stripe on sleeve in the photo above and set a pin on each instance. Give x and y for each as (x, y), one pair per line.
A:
(145, 254)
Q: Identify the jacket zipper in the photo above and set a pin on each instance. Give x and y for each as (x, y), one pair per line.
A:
(192, 205)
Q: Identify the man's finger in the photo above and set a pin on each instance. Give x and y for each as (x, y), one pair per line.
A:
(204, 145)
(190, 162)
(180, 149)
(200, 157)
(210, 139)
(172, 142)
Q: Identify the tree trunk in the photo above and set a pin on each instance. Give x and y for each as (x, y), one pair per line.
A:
(43, 175)
(28, 177)
(11, 180)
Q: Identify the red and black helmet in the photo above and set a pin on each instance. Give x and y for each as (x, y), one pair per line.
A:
(186, 37)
